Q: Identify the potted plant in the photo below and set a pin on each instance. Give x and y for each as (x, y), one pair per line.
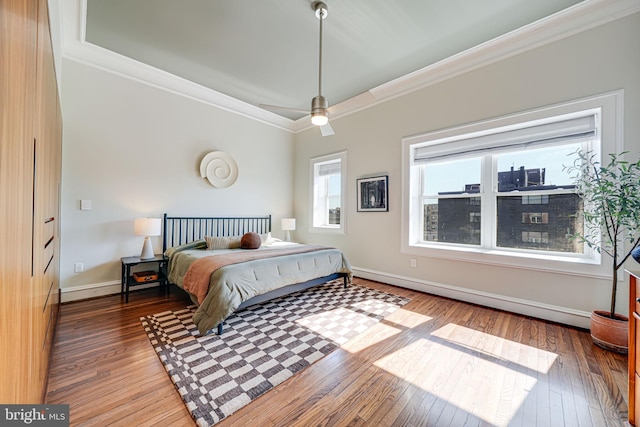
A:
(611, 196)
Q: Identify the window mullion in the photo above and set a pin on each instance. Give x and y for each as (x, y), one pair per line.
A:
(416, 231)
(488, 203)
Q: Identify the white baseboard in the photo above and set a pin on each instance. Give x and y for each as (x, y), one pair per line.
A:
(93, 290)
(539, 310)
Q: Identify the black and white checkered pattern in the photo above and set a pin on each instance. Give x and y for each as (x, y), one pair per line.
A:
(262, 345)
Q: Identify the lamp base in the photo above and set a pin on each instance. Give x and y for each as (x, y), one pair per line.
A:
(147, 249)
(287, 236)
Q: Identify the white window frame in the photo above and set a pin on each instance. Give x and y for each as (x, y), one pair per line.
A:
(610, 135)
(316, 198)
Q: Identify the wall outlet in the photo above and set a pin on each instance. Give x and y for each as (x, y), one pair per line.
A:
(413, 262)
(78, 267)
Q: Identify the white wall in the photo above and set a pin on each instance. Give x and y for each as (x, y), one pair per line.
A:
(134, 150)
(600, 60)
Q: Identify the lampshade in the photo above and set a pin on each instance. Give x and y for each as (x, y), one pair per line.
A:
(147, 226)
(287, 224)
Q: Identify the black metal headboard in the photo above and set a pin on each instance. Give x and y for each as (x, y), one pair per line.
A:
(178, 230)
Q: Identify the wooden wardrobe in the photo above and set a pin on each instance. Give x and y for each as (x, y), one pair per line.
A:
(30, 170)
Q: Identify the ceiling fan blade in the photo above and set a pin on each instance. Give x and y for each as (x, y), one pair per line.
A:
(327, 130)
(277, 107)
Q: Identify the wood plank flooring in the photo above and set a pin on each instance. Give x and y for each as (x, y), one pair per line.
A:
(436, 362)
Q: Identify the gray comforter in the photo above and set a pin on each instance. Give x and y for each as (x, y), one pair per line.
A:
(231, 285)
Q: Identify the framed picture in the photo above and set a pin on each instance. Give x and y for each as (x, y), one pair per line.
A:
(373, 194)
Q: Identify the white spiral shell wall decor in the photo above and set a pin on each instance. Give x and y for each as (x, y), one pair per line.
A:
(219, 168)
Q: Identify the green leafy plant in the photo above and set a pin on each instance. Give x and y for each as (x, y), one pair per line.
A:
(611, 195)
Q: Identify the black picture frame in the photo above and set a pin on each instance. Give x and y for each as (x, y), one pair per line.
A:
(373, 194)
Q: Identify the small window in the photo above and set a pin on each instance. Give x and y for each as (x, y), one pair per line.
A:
(535, 237)
(540, 199)
(535, 218)
(328, 192)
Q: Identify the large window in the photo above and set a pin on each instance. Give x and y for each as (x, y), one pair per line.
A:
(328, 178)
(497, 191)
(527, 201)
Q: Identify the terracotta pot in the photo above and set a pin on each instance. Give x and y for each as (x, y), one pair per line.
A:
(610, 334)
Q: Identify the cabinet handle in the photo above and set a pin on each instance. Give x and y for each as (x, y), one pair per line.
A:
(638, 300)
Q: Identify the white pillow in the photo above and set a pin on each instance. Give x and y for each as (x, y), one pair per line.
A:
(228, 242)
(266, 239)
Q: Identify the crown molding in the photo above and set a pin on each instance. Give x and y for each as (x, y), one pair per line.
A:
(583, 16)
(75, 48)
(106, 60)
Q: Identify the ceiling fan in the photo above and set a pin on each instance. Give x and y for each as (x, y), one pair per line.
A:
(319, 105)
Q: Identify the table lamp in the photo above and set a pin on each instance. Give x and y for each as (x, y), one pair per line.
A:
(287, 224)
(147, 227)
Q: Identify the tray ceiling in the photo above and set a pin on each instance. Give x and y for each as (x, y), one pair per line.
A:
(266, 52)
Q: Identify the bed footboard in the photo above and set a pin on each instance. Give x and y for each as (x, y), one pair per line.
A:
(286, 291)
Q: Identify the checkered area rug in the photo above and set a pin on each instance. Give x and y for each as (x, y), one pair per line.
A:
(262, 345)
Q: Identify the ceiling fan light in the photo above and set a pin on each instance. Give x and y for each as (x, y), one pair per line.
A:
(319, 116)
(319, 119)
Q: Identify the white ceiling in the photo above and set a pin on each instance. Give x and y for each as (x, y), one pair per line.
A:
(248, 52)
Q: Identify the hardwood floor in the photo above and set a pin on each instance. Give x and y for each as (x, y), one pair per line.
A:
(436, 362)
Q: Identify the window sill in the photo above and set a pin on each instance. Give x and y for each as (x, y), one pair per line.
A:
(526, 261)
(326, 230)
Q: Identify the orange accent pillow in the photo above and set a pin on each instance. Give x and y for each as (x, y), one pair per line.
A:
(250, 240)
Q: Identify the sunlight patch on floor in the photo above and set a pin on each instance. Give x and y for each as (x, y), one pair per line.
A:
(375, 335)
(495, 347)
(369, 330)
(338, 325)
(407, 319)
(493, 376)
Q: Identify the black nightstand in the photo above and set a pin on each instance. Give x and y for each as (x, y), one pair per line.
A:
(131, 261)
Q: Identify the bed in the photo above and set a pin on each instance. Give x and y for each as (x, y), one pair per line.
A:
(221, 278)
